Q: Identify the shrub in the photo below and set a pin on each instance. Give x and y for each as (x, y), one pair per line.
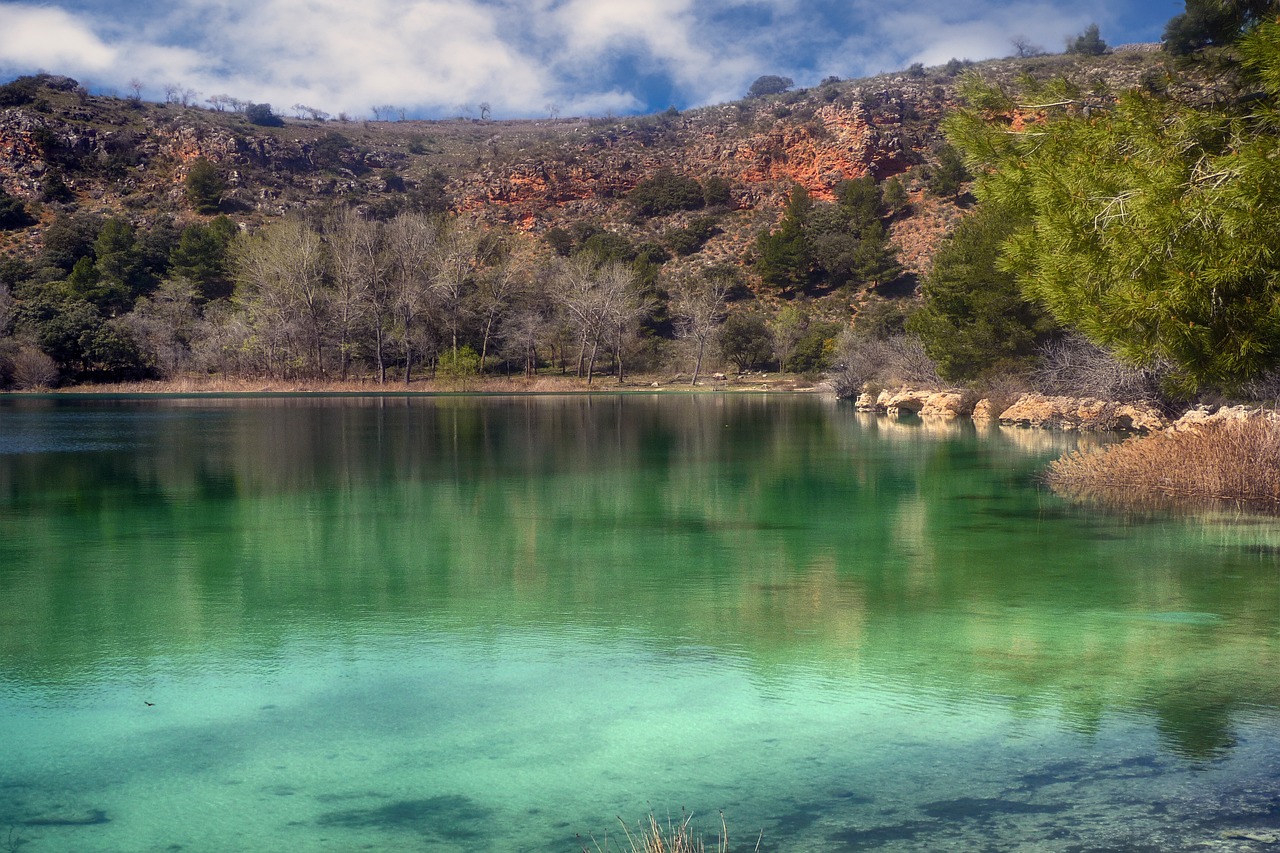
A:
(261, 115)
(666, 192)
(13, 213)
(862, 362)
(769, 84)
(716, 191)
(690, 239)
(1072, 366)
(459, 365)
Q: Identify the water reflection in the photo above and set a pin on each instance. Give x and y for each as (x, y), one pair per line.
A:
(786, 538)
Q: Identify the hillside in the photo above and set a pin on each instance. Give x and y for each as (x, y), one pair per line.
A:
(65, 152)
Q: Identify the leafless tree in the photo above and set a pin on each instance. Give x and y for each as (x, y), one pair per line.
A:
(455, 261)
(484, 111)
(698, 308)
(411, 240)
(135, 86)
(165, 323)
(498, 289)
(361, 294)
(281, 272)
(1025, 47)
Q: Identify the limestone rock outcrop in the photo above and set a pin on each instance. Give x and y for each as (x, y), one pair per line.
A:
(1074, 413)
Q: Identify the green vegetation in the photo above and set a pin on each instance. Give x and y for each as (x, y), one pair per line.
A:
(1214, 23)
(13, 213)
(973, 319)
(829, 244)
(204, 185)
(1088, 43)
(1144, 224)
(666, 192)
(769, 84)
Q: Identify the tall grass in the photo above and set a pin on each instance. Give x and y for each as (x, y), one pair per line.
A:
(676, 836)
(1233, 461)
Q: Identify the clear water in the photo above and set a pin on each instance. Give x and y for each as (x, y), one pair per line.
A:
(473, 624)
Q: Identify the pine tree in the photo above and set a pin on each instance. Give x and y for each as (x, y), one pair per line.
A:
(1148, 226)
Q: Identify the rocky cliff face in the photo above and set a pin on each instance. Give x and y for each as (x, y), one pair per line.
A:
(129, 158)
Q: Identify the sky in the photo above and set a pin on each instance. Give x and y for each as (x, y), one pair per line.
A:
(524, 58)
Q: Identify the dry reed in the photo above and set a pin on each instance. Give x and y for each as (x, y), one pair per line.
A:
(651, 836)
(1229, 461)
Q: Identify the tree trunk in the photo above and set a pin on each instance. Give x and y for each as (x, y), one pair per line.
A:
(697, 363)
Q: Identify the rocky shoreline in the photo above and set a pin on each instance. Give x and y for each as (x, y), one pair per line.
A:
(1039, 411)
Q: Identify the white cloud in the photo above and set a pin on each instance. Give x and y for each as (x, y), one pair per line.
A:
(432, 56)
(47, 37)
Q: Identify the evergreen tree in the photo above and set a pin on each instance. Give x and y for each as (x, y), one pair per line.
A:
(784, 259)
(204, 186)
(1214, 23)
(974, 320)
(1150, 226)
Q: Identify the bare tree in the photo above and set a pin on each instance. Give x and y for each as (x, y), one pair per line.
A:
(361, 295)
(135, 86)
(411, 240)
(498, 290)
(1025, 47)
(165, 323)
(698, 308)
(484, 111)
(455, 262)
(171, 91)
(281, 273)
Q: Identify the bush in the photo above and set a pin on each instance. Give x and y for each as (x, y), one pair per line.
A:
(459, 365)
(261, 115)
(665, 193)
(1074, 367)
(690, 239)
(13, 213)
(716, 191)
(769, 84)
(864, 363)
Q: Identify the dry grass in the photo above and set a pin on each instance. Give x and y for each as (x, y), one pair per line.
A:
(651, 836)
(1230, 461)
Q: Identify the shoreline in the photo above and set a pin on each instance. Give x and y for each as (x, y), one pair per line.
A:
(198, 386)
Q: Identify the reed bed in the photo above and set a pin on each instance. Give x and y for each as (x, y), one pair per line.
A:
(1230, 461)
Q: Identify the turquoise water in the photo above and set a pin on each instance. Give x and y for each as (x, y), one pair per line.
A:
(496, 623)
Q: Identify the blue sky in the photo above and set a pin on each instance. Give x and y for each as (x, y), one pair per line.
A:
(525, 58)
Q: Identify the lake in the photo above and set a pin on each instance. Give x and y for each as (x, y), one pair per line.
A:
(496, 623)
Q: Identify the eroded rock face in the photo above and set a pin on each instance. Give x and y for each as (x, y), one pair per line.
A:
(1074, 413)
(1203, 416)
(926, 402)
